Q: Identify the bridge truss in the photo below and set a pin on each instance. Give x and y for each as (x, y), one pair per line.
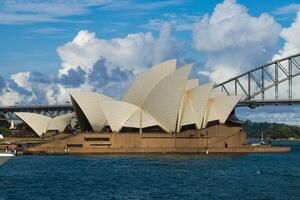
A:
(269, 84)
(7, 113)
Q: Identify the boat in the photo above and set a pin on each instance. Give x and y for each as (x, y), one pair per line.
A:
(5, 157)
(262, 141)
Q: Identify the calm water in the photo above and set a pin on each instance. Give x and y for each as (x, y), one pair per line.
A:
(250, 176)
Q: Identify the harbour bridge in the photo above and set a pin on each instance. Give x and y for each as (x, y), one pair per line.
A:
(269, 84)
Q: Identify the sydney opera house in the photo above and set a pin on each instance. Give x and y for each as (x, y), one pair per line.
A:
(162, 108)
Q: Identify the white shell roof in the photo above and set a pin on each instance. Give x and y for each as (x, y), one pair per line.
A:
(141, 119)
(144, 83)
(117, 113)
(40, 124)
(90, 104)
(164, 100)
(195, 105)
(161, 96)
(60, 122)
(220, 106)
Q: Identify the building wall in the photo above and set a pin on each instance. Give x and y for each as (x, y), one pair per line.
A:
(187, 141)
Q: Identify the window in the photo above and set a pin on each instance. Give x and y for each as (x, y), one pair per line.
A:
(101, 145)
(102, 139)
(74, 145)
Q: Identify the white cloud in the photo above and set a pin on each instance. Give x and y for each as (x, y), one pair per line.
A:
(288, 9)
(59, 94)
(134, 52)
(31, 11)
(291, 46)
(10, 98)
(292, 40)
(233, 41)
(137, 51)
(181, 22)
(120, 57)
(281, 114)
(83, 51)
(92, 64)
(22, 80)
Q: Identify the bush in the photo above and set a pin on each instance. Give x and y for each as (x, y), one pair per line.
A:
(5, 131)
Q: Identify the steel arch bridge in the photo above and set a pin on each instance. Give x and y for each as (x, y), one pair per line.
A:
(256, 86)
(7, 113)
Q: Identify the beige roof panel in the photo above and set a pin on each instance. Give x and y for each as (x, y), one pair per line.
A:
(191, 83)
(195, 104)
(199, 99)
(148, 120)
(90, 104)
(164, 100)
(117, 113)
(37, 122)
(220, 107)
(188, 116)
(144, 83)
(134, 120)
(60, 122)
(141, 119)
(40, 124)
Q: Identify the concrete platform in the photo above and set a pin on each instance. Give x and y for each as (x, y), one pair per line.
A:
(215, 139)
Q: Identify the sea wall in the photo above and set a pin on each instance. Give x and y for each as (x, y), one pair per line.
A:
(191, 141)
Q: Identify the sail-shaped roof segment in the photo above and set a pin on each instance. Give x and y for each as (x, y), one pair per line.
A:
(191, 83)
(38, 123)
(195, 105)
(60, 122)
(220, 106)
(90, 104)
(199, 99)
(164, 100)
(143, 85)
(188, 116)
(141, 119)
(117, 113)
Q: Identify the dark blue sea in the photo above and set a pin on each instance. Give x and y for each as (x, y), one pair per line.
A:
(245, 176)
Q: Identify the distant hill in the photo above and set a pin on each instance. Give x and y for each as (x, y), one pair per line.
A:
(271, 130)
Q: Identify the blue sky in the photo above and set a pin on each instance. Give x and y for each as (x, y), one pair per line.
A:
(42, 55)
(32, 45)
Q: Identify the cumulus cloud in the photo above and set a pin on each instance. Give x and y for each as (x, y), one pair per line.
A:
(74, 77)
(109, 65)
(290, 47)
(233, 41)
(10, 98)
(134, 52)
(288, 9)
(290, 35)
(92, 64)
(22, 80)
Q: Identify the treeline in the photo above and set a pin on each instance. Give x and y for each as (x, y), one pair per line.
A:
(271, 130)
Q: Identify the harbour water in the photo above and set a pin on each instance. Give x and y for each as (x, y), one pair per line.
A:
(243, 176)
